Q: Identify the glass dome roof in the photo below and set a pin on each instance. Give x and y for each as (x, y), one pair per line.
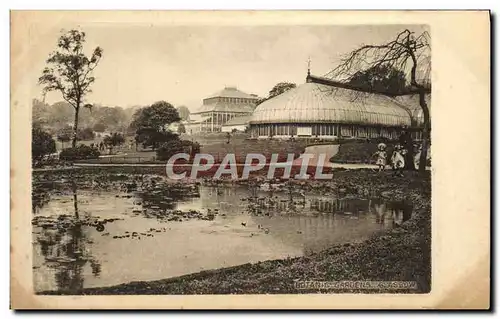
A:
(315, 103)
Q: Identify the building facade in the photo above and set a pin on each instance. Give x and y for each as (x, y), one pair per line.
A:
(328, 110)
(219, 108)
(238, 124)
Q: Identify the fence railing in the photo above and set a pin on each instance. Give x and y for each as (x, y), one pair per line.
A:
(122, 160)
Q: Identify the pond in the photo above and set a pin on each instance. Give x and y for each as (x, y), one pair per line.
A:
(94, 238)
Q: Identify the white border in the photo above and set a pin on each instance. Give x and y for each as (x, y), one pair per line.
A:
(146, 5)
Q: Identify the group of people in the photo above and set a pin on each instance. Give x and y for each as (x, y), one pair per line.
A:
(397, 160)
(406, 155)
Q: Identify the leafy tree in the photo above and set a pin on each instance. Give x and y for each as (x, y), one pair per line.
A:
(113, 140)
(39, 112)
(158, 116)
(64, 135)
(278, 89)
(261, 100)
(60, 114)
(100, 127)
(112, 117)
(135, 122)
(41, 144)
(151, 123)
(183, 112)
(86, 134)
(407, 53)
(150, 137)
(281, 88)
(380, 78)
(70, 72)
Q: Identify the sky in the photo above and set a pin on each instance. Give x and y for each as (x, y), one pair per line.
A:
(184, 64)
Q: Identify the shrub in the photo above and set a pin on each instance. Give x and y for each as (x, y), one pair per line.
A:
(79, 152)
(174, 146)
(85, 135)
(100, 127)
(41, 144)
(150, 137)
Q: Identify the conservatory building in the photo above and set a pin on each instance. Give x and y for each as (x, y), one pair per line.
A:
(219, 108)
(325, 109)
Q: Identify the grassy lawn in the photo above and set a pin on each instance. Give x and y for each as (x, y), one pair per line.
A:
(358, 152)
(214, 138)
(217, 148)
(60, 146)
(265, 147)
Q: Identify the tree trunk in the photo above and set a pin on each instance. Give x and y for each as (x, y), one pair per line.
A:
(75, 127)
(410, 154)
(425, 134)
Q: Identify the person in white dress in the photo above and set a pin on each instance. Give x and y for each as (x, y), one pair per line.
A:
(381, 155)
(398, 160)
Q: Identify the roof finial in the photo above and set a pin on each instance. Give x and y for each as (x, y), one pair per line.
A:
(309, 66)
(308, 78)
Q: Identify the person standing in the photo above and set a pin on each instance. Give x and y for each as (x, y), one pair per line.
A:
(406, 141)
(381, 155)
(398, 160)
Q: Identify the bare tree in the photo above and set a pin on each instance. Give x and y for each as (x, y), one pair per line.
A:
(408, 53)
(70, 72)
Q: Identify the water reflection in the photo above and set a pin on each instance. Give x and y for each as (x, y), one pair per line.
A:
(39, 197)
(64, 245)
(396, 212)
(187, 229)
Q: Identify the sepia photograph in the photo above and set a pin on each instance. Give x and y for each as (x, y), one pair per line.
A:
(230, 159)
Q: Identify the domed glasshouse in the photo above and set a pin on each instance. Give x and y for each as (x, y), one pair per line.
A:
(325, 109)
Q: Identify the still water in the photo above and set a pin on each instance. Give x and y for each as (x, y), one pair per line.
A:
(217, 227)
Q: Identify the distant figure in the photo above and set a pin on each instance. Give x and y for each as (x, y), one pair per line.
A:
(381, 155)
(406, 142)
(398, 160)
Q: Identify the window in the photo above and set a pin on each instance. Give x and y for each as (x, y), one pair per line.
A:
(315, 129)
(362, 132)
(346, 130)
(304, 131)
(384, 132)
(371, 132)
